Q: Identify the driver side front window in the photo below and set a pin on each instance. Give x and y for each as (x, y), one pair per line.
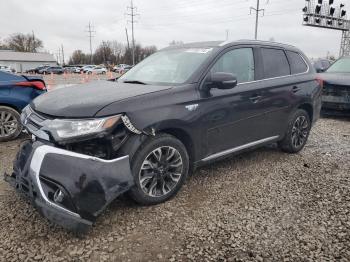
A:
(239, 62)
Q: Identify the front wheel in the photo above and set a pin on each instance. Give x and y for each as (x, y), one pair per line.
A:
(10, 124)
(297, 133)
(160, 168)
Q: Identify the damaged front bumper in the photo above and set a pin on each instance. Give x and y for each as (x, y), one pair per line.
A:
(70, 189)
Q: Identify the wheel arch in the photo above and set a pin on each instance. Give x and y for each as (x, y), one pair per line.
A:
(309, 109)
(184, 137)
(11, 106)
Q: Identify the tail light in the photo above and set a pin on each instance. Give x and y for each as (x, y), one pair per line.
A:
(35, 84)
(320, 81)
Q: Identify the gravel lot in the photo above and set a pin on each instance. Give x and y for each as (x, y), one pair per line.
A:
(260, 206)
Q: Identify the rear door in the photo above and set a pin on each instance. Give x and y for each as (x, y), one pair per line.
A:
(280, 86)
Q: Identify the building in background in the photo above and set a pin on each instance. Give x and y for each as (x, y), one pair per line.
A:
(22, 61)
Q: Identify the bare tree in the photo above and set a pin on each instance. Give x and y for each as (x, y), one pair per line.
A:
(111, 53)
(78, 57)
(104, 54)
(24, 43)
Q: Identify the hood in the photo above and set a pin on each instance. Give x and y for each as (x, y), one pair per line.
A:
(85, 100)
(341, 79)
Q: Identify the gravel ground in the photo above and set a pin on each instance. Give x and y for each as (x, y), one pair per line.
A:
(260, 206)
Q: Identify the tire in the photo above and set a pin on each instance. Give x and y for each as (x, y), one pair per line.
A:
(153, 178)
(10, 124)
(298, 131)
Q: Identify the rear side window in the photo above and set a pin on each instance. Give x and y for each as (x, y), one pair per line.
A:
(297, 63)
(275, 63)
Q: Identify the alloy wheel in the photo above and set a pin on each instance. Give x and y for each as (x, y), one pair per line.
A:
(161, 171)
(8, 124)
(300, 131)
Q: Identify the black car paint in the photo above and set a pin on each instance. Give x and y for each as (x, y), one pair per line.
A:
(78, 105)
(208, 121)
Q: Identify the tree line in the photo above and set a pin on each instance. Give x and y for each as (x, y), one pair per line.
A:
(107, 52)
(112, 53)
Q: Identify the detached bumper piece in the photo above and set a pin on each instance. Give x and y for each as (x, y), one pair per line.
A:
(68, 188)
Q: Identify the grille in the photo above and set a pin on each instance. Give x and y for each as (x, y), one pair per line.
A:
(336, 90)
(32, 120)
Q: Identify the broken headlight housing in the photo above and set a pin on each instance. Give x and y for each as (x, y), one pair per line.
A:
(66, 129)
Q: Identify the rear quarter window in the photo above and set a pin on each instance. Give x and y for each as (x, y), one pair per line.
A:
(297, 63)
(275, 63)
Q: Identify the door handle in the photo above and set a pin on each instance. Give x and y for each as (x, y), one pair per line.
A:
(255, 98)
(296, 89)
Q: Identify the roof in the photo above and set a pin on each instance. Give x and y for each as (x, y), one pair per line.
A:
(25, 57)
(230, 43)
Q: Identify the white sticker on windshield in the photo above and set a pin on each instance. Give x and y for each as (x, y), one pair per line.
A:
(199, 50)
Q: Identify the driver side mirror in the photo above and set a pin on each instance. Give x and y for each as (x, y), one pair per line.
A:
(222, 80)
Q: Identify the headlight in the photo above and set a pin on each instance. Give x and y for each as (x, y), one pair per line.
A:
(65, 129)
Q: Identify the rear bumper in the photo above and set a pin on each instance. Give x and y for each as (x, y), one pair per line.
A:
(68, 188)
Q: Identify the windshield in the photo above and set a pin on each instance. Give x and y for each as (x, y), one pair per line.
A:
(340, 66)
(168, 67)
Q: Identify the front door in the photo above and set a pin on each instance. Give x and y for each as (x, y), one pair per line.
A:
(234, 117)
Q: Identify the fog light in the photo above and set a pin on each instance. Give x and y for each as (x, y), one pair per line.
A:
(58, 196)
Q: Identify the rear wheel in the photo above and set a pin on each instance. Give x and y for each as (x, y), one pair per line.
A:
(297, 133)
(10, 124)
(160, 168)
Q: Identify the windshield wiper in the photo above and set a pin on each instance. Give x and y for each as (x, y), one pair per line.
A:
(134, 82)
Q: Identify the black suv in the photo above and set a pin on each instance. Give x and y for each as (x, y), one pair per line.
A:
(182, 107)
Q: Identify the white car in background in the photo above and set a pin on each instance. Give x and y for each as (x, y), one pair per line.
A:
(85, 68)
(121, 68)
(7, 69)
(98, 70)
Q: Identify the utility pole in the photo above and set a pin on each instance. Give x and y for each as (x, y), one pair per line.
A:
(34, 48)
(91, 32)
(257, 11)
(227, 32)
(59, 56)
(62, 55)
(127, 38)
(132, 13)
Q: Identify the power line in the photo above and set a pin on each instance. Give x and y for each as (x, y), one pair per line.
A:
(91, 31)
(132, 14)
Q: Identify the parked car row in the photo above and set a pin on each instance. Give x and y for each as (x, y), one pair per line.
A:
(46, 69)
(86, 69)
(7, 69)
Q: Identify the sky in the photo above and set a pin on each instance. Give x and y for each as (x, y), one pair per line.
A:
(159, 22)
